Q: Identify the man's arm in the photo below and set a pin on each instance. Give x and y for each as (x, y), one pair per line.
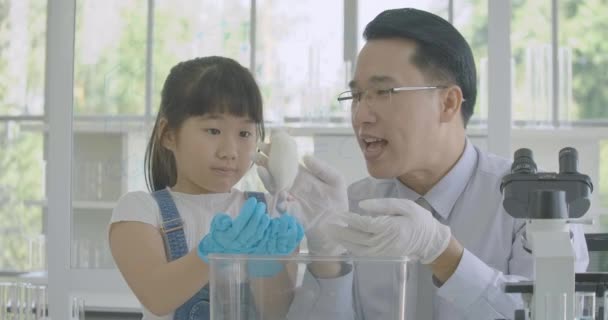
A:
(445, 265)
(329, 298)
(478, 289)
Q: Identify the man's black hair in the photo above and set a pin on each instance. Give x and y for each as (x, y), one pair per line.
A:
(442, 53)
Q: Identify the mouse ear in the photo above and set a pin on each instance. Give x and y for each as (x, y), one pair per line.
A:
(260, 159)
(264, 147)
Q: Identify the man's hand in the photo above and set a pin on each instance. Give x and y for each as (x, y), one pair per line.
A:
(395, 227)
(317, 195)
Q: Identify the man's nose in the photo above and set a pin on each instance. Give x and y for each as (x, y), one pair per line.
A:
(363, 112)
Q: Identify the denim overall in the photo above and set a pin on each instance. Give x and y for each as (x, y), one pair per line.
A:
(197, 307)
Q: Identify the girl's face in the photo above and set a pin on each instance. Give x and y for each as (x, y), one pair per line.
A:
(212, 152)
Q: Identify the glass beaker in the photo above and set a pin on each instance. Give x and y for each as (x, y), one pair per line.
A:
(584, 306)
(77, 308)
(40, 302)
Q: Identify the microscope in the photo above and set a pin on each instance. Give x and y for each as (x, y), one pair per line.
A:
(548, 202)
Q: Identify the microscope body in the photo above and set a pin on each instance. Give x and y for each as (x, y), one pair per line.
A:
(553, 269)
(548, 202)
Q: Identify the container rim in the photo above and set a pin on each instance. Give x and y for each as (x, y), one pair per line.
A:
(304, 258)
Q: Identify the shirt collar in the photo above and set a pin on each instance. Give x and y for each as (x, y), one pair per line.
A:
(444, 194)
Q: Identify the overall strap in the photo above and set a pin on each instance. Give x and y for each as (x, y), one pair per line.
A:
(172, 226)
(172, 229)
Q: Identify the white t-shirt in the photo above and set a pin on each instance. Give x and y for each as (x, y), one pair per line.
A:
(196, 211)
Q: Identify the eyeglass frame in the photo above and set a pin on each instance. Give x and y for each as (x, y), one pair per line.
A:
(390, 91)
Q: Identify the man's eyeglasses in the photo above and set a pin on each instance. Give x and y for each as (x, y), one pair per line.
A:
(351, 99)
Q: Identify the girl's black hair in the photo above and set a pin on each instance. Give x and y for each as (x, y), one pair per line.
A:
(197, 87)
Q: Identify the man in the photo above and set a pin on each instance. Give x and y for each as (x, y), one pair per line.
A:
(435, 197)
(432, 196)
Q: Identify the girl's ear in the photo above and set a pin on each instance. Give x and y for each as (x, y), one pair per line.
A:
(165, 135)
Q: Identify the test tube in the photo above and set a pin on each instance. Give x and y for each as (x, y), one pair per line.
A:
(5, 289)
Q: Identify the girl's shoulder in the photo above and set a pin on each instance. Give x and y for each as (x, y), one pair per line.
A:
(136, 206)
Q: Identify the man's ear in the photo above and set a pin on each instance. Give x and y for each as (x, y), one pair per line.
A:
(165, 135)
(451, 103)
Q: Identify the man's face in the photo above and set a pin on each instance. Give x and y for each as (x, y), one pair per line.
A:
(396, 132)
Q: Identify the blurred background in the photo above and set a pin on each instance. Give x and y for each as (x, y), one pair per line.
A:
(302, 55)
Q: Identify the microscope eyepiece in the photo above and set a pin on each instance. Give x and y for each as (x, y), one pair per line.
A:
(523, 162)
(568, 160)
(521, 188)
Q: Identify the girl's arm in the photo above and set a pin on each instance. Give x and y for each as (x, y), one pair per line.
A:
(161, 286)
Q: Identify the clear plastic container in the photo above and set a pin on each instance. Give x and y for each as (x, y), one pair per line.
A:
(304, 287)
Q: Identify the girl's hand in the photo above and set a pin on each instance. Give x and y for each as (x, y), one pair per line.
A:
(240, 236)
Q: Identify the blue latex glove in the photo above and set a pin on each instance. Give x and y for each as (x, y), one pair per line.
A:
(240, 236)
(281, 238)
(246, 230)
(290, 234)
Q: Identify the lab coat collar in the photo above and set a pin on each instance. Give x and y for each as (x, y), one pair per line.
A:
(444, 194)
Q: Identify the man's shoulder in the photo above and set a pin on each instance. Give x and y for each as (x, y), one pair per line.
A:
(492, 165)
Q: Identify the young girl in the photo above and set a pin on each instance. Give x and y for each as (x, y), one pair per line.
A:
(203, 142)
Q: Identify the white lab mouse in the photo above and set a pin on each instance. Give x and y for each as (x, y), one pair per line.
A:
(283, 162)
(283, 159)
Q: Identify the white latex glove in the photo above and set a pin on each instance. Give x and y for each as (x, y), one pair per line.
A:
(318, 194)
(396, 227)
